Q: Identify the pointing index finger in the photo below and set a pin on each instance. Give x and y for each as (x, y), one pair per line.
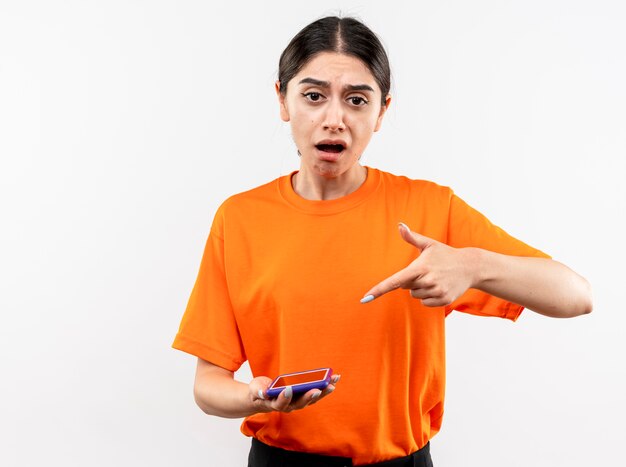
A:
(393, 282)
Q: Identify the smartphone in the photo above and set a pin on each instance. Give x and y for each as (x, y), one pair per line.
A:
(301, 381)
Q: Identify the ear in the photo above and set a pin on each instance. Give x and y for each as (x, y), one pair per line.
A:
(383, 109)
(284, 113)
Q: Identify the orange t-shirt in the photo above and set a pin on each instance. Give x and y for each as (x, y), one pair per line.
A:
(279, 285)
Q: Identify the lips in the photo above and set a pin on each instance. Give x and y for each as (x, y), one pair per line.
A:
(332, 146)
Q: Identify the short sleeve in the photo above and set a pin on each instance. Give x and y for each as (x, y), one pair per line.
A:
(469, 228)
(208, 328)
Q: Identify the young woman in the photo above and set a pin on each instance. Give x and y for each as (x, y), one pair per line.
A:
(287, 274)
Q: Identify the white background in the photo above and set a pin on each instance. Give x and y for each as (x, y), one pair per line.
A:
(124, 124)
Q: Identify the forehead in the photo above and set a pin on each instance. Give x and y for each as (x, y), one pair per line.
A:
(337, 69)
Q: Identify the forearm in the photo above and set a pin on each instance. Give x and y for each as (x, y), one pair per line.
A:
(217, 393)
(542, 285)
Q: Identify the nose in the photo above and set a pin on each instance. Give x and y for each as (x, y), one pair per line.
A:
(333, 119)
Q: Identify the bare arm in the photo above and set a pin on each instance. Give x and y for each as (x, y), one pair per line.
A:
(442, 273)
(539, 284)
(217, 393)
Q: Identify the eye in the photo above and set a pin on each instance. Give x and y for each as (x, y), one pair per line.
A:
(357, 101)
(312, 96)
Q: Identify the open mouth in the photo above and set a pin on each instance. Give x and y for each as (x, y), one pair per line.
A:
(336, 148)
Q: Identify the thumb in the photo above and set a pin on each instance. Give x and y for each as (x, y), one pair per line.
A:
(258, 387)
(415, 239)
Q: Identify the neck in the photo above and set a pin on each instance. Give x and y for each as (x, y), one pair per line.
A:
(317, 188)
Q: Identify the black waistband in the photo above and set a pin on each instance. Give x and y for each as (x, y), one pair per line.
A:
(262, 455)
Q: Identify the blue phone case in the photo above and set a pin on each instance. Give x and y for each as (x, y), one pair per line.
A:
(302, 387)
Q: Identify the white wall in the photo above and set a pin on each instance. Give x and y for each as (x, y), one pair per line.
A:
(123, 125)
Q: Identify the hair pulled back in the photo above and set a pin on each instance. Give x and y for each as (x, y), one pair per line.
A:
(333, 34)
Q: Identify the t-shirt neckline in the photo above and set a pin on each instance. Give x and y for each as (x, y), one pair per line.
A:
(331, 206)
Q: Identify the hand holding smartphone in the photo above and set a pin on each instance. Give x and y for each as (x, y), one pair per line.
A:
(301, 381)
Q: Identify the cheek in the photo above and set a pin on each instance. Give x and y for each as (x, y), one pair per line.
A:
(363, 128)
(303, 122)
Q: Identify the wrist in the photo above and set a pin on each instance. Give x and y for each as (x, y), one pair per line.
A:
(477, 266)
(251, 403)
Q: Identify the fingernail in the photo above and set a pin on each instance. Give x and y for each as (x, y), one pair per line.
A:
(402, 224)
(261, 396)
(336, 379)
(288, 392)
(329, 390)
(367, 299)
(316, 395)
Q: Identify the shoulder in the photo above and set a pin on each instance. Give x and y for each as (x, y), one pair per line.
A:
(251, 204)
(426, 190)
(261, 192)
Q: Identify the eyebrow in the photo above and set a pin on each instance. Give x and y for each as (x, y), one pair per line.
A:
(326, 84)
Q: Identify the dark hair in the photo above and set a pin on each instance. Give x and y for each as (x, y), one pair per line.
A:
(333, 34)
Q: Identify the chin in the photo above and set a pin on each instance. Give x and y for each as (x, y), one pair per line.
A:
(327, 172)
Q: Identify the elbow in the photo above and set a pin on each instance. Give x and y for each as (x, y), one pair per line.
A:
(577, 302)
(584, 303)
(588, 308)
(200, 400)
(584, 308)
(587, 301)
(581, 296)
